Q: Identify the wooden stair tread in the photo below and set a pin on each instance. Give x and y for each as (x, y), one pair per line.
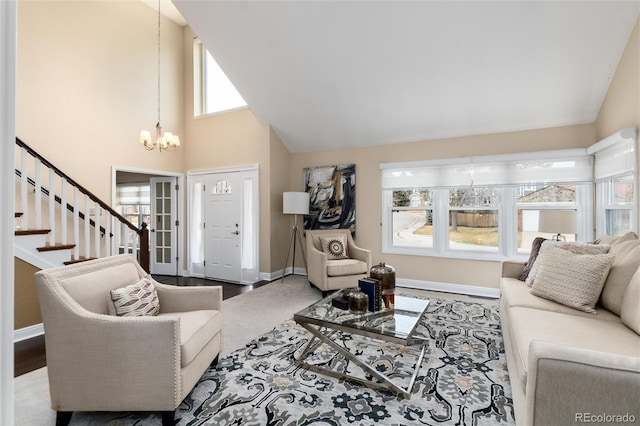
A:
(52, 247)
(82, 259)
(19, 232)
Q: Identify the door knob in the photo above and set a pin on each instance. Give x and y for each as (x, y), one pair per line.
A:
(235, 233)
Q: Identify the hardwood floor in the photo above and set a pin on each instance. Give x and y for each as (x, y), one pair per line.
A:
(30, 354)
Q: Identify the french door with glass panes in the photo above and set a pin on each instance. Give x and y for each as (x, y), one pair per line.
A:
(164, 226)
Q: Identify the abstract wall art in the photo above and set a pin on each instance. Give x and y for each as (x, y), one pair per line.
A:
(332, 191)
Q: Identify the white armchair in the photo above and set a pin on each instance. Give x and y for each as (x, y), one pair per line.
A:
(102, 362)
(330, 269)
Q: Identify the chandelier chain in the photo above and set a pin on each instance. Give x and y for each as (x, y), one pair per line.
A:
(158, 60)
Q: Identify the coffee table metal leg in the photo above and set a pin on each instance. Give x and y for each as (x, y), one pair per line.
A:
(386, 382)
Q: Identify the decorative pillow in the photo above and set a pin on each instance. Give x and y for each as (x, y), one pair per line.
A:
(139, 299)
(574, 280)
(335, 247)
(630, 314)
(573, 247)
(535, 249)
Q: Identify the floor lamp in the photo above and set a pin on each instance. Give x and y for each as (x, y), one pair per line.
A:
(295, 203)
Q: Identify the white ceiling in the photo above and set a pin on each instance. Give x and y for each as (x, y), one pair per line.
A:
(334, 74)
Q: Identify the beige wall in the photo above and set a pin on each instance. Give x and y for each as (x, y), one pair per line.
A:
(279, 224)
(621, 106)
(368, 192)
(26, 309)
(230, 139)
(87, 85)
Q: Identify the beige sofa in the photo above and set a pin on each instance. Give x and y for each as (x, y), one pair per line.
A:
(567, 366)
(102, 362)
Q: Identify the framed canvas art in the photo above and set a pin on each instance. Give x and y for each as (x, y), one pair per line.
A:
(332, 193)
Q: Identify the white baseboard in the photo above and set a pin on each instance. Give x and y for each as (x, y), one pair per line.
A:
(276, 275)
(28, 332)
(470, 290)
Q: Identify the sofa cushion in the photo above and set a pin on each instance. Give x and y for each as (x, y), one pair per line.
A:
(573, 247)
(527, 325)
(630, 314)
(197, 328)
(342, 267)
(514, 293)
(135, 300)
(335, 247)
(625, 263)
(612, 239)
(574, 280)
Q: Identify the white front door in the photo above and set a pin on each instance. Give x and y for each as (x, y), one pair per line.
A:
(164, 226)
(222, 227)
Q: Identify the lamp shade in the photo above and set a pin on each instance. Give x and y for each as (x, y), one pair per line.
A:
(557, 221)
(295, 203)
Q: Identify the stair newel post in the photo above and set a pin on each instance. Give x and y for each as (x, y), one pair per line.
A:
(144, 247)
(52, 207)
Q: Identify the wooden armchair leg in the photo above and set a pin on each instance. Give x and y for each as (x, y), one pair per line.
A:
(168, 418)
(63, 418)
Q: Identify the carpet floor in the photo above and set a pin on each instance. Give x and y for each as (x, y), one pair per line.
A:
(462, 380)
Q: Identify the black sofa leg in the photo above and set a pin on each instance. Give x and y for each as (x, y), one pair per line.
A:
(167, 418)
(63, 418)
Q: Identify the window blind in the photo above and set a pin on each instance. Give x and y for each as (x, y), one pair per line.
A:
(127, 194)
(615, 160)
(563, 166)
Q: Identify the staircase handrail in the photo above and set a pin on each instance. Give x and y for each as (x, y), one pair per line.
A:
(81, 188)
(142, 231)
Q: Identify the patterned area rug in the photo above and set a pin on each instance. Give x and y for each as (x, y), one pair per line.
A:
(463, 378)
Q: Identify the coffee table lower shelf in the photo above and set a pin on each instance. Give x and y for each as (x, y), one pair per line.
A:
(323, 335)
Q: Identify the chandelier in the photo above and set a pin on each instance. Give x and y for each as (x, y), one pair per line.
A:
(167, 141)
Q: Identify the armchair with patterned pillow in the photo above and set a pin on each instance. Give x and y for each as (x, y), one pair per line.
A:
(117, 340)
(334, 261)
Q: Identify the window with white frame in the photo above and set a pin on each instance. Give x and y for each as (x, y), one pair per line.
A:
(616, 187)
(483, 207)
(213, 91)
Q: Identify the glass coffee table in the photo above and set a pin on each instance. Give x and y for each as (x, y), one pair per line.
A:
(395, 325)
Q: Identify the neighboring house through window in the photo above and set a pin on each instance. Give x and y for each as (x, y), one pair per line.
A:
(483, 207)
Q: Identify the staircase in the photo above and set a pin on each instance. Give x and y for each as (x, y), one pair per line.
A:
(55, 229)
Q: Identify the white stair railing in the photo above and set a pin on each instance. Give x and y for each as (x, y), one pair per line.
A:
(104, 231)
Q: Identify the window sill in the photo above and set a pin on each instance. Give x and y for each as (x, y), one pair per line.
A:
(461, 255)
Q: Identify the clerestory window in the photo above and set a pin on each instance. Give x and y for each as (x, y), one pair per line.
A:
(213, 91)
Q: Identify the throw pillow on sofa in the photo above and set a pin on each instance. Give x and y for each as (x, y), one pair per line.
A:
(573, 247)
(573, 280)
(138, 299)
(533, 255)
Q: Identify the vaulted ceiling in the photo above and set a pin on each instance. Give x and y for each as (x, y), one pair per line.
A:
(333, 74)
